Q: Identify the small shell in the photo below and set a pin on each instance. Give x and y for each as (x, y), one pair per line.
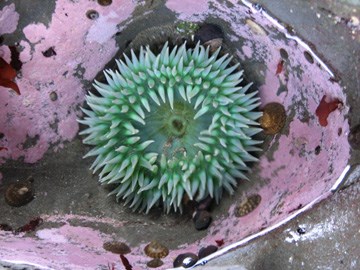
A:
(255, 28)
(214, 44)
(20, 193)
(156, 250)
(104, 2)
(154, 263)
(248, 205)
(273, 118)
(117, 247)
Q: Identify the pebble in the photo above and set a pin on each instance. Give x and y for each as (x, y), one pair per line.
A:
(154, 263)
(117, 247)
(202, 219)
(185, 260)
(206, 251)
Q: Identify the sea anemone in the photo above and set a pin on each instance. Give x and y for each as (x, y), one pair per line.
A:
(172, 124)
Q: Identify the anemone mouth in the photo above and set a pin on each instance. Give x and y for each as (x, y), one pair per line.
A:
(172, 124)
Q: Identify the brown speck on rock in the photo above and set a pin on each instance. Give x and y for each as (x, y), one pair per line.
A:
(273, 118)
(92, 14)
(53, 96)
(154, 263)
(248, 205)
(117, 247)
(104, 2)
(283, 53)
(156, 250)
(49, 52)
(20, 193)
(308, 57)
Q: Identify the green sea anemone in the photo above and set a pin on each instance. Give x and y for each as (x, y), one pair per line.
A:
(171, 124)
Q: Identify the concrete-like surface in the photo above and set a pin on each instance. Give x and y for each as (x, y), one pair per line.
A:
(326, 237)
(329, 233)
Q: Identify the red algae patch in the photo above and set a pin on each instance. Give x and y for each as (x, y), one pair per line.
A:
(326, 107)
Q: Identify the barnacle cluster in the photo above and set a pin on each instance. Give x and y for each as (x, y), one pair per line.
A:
(171, 124)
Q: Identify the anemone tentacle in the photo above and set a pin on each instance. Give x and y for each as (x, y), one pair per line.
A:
(171, 124)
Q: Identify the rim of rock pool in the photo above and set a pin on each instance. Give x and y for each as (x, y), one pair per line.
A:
(293, 80)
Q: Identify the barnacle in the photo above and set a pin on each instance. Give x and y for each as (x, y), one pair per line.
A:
(171, 124)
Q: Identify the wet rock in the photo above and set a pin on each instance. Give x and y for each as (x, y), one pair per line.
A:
(20, 193)
(117, 247)
(185, 260)
(156, 250)
(248, 205)
(354, 137)
(273, 118)
(202, 220)
(155, 263)
(206, 251)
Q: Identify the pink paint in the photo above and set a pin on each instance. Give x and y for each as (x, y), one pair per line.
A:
(9, 19)
(186, 9)
(80, 45)
(247, 51)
